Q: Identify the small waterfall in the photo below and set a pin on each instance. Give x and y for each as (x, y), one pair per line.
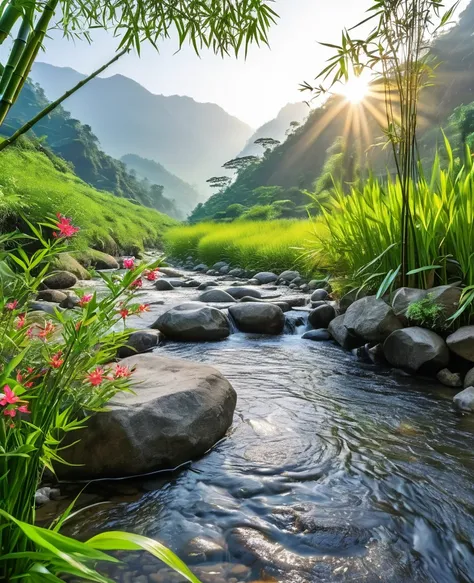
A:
(233, 325)
(296, 323)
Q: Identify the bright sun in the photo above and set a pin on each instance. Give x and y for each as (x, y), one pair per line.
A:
(355, 90)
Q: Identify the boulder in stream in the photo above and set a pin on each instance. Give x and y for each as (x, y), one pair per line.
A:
(179, 410)
(60, 280)
(461, 342)
(465, 400)
(216, 296)
(322, 316)
(193, 322)
(258, 317)
(163, 285)
(264, 277)
(243, 292)
(139, 341)
(371, 319)
(416, 349)
(341, 334)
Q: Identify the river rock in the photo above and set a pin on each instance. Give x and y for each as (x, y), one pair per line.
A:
(42, 306)
(319, 295)
(201, 267)
(138, 342)
(448, 378)
(341, 334)
(216, 296)
(376, 354)
(193, 322)
(163, 285)
(258, 317)
(282, 305)
(66, 262)
(51, 295)
(265, 277)
(465, 400)
(70, 302)
(60, 280)
(217, 266)
(288, 276)
(170, 272)
(416, 349)
(193, 283)
(178, 410)
(224, 270)
(448, 297)
(322, 316)
(100, 260)
(201, 549)
(461, 342)
(320, 284)
(237, 272)
(243, 292)
(371, 319)
(404, 297)
(317, 335)
(349, 298)
(469, 379)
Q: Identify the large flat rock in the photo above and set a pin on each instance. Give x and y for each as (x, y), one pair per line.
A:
(179, 410)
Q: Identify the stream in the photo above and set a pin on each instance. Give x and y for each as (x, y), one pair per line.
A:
(333, 470)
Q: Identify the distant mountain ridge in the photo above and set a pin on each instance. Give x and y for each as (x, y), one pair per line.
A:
(278, 127)
(184, 195)
(190, 139)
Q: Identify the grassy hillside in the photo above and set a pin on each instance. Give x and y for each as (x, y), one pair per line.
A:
(45, 185)
(259, 245)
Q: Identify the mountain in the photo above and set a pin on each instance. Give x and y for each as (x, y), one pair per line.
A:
(277, 128)
(190, 139)
(308, 153)
(185, 196)
(75, 142)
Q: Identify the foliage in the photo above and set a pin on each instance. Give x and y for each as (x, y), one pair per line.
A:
(107, 223)
(426, 313)
(77, 144)
(240, 163)
(362, 237)
(259, 245)
(55, 371)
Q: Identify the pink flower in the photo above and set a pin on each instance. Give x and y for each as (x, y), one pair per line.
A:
(56, 360)
(96, 377)
(143, 308)
(9, 412)
(85, 300)
(136, 283)
(20, 321)
(124, 313)
(65, 228)
(129, 263)
(12, 305)
(9, 397)
(24, 409)
(48, 329)
(122, 372)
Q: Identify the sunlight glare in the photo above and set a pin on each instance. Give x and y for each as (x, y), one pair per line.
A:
(355, 90)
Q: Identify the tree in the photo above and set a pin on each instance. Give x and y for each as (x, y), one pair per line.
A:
(396, 52)
(294, 125)
(240, 163)
(220, 182)
(268, 144)
(222, 26)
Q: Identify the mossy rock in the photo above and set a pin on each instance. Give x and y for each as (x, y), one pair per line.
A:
(66, 262)
(97, 259)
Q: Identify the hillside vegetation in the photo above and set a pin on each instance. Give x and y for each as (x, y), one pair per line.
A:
(45, 185)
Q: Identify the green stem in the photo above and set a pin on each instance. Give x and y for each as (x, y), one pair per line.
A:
(16, 52)
(28, 125)
(7, 20)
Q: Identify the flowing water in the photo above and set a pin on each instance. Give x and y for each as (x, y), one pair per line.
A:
(333, 470)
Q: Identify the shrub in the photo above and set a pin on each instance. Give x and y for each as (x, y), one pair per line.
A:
(427, 314)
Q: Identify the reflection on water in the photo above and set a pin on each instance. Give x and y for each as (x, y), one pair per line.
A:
(332, 471)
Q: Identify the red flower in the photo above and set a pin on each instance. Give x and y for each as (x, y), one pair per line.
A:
(136, 283)
(9, 397)
(56, 360)
(65, 228)
(129, 263)
(12, 305)
(122, 372)
(48, 329)
(96, 377)
(124, 312)
(20, 321)
(24, 409)
(85, 300)
(9, 412)
(143, 308)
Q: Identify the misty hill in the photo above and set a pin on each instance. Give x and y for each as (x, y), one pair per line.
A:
(277, 128)
(299, 162)
(76, 143)
(190, 139)
(185, 196)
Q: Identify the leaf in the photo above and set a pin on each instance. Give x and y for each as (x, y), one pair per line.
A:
(425, 268)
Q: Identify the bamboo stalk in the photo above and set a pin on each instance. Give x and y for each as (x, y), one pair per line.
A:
(7, 20)
(16, 52)
(20, 74)
(28, 125)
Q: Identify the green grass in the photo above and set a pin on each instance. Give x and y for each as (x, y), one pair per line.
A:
(259, 245)
(44, 187)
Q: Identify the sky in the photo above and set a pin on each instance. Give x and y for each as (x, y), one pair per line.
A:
(255, 89)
